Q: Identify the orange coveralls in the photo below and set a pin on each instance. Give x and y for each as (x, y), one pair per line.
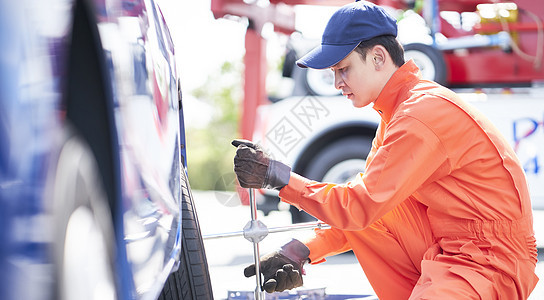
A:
(442, 210)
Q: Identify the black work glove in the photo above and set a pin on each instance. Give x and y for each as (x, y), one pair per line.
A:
(255, 169)
(282, 269)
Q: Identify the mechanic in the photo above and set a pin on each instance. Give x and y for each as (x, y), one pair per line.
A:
(442, 210)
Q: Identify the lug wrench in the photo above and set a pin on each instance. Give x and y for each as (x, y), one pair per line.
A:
(255, 231)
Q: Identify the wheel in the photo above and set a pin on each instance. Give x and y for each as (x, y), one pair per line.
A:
(84, 236)
(338, 163)
(192, 278)
(320, 82)
(429, 60)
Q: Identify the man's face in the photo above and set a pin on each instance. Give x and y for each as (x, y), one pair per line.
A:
(357, 79)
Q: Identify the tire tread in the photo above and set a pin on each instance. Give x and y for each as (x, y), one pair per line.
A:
(192, 279)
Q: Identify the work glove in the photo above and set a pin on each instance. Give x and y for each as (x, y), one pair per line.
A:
(255, 169)
(282, 269)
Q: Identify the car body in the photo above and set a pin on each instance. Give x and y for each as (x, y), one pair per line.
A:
(94, 196)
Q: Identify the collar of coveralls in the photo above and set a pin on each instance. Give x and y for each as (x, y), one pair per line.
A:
(400, 83)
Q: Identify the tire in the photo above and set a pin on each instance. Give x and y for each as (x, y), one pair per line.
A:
(192, 278)
(337, 163)
(320, 82)
(84, 234)
(429, 60)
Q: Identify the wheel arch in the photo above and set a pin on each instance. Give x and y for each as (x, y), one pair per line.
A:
(89, 105)
(89, 95)
(365, 129)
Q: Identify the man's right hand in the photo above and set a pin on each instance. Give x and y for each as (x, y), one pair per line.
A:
(255, 169)
(282, 269)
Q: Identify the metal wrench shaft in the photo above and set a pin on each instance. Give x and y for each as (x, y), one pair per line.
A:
(255, 231)
(259, 294)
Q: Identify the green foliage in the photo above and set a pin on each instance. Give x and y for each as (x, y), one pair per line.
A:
(209, 152)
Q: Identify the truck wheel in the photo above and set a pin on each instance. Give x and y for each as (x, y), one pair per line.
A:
(338, 163)
(320, 82)
(429, 60)
(192, 278)
(84, 235)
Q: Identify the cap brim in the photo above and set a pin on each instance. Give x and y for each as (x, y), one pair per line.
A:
(325, 56)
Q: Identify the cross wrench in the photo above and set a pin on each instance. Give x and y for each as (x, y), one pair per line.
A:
(255, 231)
(255, 239)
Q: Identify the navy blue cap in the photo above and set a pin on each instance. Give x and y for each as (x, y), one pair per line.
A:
(351, 24)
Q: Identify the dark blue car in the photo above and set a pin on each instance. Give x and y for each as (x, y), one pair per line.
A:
(94, 197)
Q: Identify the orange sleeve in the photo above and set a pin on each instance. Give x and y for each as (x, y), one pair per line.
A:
(410, 155)
(327, 242)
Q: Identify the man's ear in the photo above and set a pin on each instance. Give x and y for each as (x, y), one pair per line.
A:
(379, 55)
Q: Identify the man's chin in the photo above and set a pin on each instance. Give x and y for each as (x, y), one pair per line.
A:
(356, 103)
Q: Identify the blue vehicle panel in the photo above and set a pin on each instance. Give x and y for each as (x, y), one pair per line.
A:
(91, 133)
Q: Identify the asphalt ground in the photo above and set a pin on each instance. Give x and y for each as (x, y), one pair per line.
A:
(221, 212)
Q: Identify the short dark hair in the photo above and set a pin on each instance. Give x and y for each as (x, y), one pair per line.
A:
(389, 42)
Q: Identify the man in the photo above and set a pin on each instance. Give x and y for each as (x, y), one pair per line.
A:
(443, 209)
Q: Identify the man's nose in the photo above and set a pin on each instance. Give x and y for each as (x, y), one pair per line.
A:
(338, 81)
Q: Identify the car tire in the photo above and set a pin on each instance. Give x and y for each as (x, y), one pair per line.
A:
(345, 158)
(429, 60)
(83, 228)
(191, 280)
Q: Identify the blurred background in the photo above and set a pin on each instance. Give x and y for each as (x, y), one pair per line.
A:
(210, 56)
